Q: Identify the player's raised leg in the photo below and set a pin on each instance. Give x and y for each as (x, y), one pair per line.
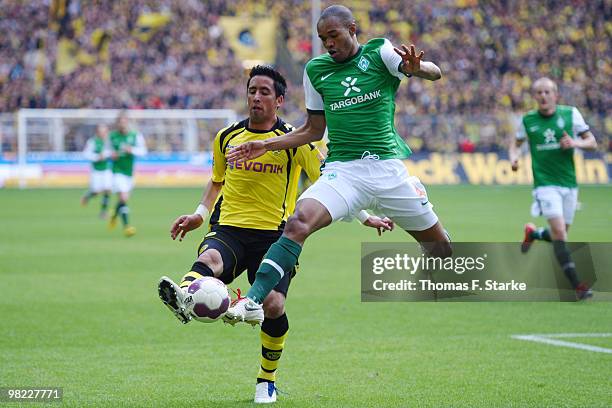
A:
(309, 216)
(533, 233)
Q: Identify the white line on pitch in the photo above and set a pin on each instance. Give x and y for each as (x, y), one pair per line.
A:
(547, 339)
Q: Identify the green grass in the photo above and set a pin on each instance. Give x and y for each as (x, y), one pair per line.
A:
(79, 309)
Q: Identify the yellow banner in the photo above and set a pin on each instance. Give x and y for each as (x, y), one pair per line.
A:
(251, 38)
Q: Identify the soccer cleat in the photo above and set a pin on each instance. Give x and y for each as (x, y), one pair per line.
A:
(84, 201)
(265, 393)
(129, 231)
(112, 222)
(244, 310)
(174, 298)
(527, 241)
(583, 292)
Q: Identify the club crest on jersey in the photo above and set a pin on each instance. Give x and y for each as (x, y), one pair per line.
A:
(363, 64)
(560, 123)
(331, 176)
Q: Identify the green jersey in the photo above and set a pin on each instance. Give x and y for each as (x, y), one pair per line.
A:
(124, 163)
(551, 165)
(357, 97)
(95, 151)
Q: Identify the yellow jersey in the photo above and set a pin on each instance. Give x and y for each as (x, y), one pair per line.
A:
(259, 193)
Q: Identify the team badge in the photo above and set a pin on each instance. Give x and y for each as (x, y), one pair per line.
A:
(560, 123)
(363, 64)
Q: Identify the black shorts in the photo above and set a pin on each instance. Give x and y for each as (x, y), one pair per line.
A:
(243, 249)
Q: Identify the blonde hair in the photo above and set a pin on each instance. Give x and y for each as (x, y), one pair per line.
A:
(543, 81)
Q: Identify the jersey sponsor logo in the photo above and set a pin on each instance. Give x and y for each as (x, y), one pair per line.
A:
(363, 64)
(324, 77)
(332, 175)
(534, 128)
(355, 100)
(256, 167)
(349, 83)
(550, 141)
(549, 136)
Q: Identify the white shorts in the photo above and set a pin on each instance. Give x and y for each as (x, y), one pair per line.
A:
(345, 188)
(100, 180)
(554, 201)
(122, 183)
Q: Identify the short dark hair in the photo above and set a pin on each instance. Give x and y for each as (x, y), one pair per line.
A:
(280, 85)
(342, 13)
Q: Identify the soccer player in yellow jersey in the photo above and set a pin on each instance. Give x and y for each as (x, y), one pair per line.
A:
(250, 203)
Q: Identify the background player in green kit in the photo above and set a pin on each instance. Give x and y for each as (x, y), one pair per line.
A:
(101, 177)
(553, 131)
(125, 145)
(351, 91)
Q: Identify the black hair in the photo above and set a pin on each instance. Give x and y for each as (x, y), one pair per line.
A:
(280, 85)
(342, 13)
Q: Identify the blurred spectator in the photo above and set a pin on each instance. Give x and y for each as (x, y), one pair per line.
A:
(86, 53)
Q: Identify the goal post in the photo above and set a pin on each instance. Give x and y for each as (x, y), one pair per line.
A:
(51, 136)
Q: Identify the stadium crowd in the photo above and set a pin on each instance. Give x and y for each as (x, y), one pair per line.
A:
(80, 53)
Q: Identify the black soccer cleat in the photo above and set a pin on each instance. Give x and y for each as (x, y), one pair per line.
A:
(583, 292)
(172, 296)
(527, 240)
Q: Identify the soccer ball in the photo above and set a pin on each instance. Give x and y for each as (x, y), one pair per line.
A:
(207, 299)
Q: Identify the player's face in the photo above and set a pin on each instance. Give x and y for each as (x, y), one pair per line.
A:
(546, 96)
(122, 125)
(262, 99)
(338, 39)
(102, 131)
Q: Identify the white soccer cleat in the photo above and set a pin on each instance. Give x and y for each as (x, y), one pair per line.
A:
(265, 393)
(174, 298)
(244, 310)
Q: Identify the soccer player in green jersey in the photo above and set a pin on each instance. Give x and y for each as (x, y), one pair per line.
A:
(553, 132)
(125, 145)
(351, 91)
(101, 177)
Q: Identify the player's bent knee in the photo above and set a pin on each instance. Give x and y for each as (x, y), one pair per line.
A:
(297, 227)
(212, 258)
(274, 305)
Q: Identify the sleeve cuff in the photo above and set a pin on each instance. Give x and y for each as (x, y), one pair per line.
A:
(315, 112)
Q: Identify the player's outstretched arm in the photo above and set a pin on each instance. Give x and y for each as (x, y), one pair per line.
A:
(311, 131)
(413, 64)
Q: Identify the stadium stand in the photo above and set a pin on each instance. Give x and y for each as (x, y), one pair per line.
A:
(175, 54)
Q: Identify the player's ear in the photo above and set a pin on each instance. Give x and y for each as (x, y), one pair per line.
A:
(352, 28)
(279, 101)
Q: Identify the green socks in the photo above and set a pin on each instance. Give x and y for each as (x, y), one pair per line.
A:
(278, 261)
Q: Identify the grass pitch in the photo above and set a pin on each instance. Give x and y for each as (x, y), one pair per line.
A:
(79, 310)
